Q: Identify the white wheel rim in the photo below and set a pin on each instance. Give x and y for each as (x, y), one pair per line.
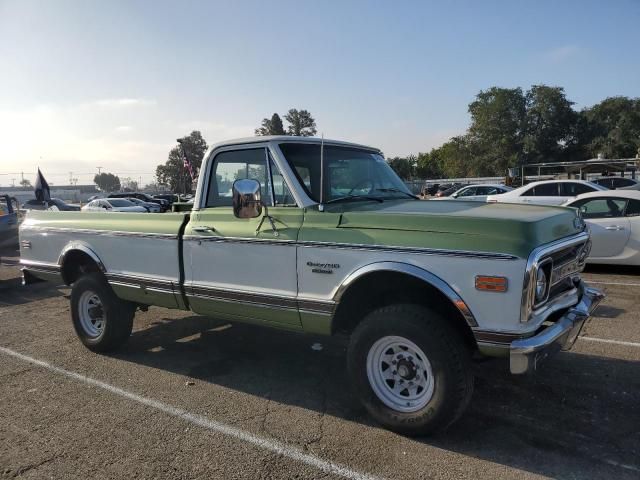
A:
(400, 374)
(91, 314)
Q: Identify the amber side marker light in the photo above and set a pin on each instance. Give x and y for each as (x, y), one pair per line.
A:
(491, 284)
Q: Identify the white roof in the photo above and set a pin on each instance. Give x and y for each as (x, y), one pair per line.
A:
(494, 185)
(542, 182)
(288, 138)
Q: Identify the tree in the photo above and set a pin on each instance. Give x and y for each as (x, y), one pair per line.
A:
(550, 124)
(612, 127)
(271, 126)
(301, 123)
(25, 183)
(107, 182)
(429, 165)
(404, 167)
(129, 185)
(497, 128)
(173, 172)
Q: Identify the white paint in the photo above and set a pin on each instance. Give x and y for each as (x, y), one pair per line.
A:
(615, 342)
(271, 445)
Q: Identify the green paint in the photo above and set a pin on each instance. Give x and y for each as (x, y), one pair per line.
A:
(448, 224)
(167, 223)
(147, 297)
(317, 323)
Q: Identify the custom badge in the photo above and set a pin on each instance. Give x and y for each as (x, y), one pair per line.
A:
(322, 267)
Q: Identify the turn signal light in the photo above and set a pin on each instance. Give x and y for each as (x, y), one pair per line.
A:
(491, 284)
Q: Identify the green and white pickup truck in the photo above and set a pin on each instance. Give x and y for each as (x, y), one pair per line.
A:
(321, 236)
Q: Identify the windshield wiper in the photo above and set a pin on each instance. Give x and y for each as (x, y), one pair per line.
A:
(397, 190)
(355, 198)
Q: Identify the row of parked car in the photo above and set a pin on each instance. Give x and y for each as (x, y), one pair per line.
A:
(113, 202)
(610, 206)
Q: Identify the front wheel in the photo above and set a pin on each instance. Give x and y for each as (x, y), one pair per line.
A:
(101, 320)
(411, 370)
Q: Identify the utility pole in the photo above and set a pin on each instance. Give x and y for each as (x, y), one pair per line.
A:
(99, 168)
(13, 182)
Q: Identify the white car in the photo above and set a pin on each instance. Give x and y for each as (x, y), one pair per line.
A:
(613, 218)
(547, 192)
(112, 205)
(150, 207)
(477, 192)
(621, 183)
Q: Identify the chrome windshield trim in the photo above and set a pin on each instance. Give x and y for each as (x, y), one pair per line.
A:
(534, 261)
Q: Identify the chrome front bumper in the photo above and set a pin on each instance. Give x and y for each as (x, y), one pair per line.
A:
(526, 354)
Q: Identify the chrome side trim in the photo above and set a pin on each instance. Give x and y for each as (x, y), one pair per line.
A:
(83, 247)
(108, 233)
(35, 266)
(260, 299)
(144, 283)
(533, 262)
(356, 246)
(413, 271)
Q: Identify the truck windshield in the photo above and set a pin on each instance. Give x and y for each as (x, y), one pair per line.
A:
(348, 172)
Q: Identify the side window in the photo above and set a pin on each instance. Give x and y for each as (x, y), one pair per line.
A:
(602, 207)
(468, 192)
(543, 190)
(633, 208)
(572, 189)
(236, 165)
(283, 197)
(622, 182)
(487, 191)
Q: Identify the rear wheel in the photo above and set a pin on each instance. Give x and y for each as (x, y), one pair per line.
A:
(411, 370)
(101, 320)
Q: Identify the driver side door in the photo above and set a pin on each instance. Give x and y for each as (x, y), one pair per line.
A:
(241, 269)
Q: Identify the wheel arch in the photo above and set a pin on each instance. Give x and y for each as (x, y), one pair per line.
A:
(368, 288)
(76, 258)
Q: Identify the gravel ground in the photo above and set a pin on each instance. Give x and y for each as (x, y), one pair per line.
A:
(190, 397)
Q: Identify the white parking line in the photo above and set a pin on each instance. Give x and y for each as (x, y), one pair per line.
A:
(271, 445)
(615, 342)
(615, 283)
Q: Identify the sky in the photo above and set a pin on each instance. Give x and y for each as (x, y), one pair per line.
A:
(112, 84)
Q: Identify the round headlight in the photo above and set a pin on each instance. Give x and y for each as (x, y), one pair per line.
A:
(541, 285)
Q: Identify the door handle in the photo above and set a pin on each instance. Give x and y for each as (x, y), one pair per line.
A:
(614, 227)
(203, 229)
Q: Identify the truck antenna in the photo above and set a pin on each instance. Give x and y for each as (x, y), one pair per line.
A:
(321, 205)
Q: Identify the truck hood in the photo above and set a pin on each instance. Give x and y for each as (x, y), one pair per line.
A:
(455, 224)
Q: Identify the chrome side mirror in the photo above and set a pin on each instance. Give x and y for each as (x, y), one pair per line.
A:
(247, 201)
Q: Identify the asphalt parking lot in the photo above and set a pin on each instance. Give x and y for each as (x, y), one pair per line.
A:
(194, 398)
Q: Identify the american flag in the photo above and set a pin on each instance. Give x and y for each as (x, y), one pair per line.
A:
(185, 162)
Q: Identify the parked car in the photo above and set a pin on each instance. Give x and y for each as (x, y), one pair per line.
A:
(169, 197)
(618, 183)
(113, 205)
(52, 204)
(477, 192)
(613, 217)
(446, 189)
(547, 192)
(142, 196)
(420, 287)
(151, 207)
(8, 221)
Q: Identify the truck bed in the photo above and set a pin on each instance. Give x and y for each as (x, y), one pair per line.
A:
(140, 252)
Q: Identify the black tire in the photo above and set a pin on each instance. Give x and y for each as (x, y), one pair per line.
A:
(117, 315)
(446, 352)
